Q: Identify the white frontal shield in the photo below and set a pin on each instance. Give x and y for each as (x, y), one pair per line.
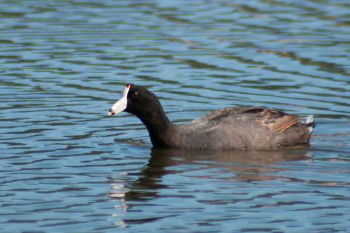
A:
(121, 104)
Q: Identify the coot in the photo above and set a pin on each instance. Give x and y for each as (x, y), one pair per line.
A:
(235, 128)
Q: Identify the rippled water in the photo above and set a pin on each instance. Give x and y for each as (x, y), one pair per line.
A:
(66, 167)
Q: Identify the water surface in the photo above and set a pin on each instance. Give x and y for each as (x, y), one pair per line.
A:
(66, 167)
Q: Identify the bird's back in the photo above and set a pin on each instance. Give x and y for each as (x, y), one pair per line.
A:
(244, 128)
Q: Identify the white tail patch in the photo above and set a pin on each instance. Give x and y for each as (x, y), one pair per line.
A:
(310, 121)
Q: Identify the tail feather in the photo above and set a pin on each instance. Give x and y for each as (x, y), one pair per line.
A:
(309, 119)
(309, 122)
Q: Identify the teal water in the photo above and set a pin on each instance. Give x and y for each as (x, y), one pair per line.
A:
(66, 167)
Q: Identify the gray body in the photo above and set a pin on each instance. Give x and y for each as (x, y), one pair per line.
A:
(234, 129)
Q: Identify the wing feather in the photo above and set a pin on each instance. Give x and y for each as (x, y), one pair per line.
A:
(270, 119)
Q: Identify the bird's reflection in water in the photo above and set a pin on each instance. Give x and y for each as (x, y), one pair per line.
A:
(242, 166)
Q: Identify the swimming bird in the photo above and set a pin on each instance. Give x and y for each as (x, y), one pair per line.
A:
(233, 128)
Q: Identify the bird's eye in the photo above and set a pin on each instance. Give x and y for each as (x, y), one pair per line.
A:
(135, 94)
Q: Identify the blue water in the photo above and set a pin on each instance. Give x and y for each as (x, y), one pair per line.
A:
(66, 167)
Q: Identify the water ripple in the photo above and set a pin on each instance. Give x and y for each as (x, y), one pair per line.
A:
(67, 167)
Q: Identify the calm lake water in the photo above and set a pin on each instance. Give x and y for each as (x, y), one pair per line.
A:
(66, 167)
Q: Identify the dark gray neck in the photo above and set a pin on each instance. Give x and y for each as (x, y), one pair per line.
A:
(159, 127)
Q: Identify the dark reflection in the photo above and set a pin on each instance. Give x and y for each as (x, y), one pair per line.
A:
(245, 166)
